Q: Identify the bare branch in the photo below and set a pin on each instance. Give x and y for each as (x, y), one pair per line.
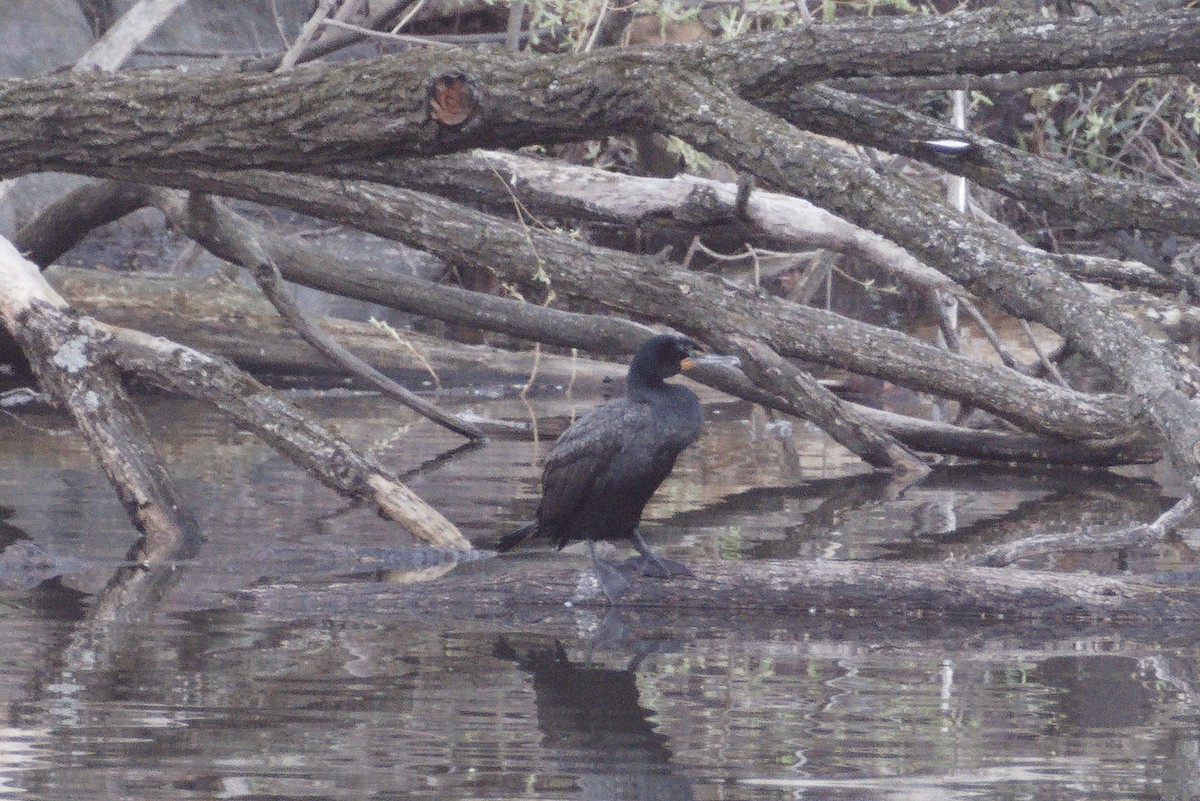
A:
(293, 433)
(72, 360)
(134, 27)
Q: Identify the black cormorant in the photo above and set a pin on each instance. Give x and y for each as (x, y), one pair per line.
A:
(604, 468)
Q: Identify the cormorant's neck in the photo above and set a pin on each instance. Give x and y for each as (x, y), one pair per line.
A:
(639, 386)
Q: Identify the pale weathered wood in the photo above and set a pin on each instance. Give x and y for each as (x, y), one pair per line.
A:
(134, 27)
(285, 427)
(70, 356)
(553, 188)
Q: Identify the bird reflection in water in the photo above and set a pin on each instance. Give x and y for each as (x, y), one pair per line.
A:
(594, 725)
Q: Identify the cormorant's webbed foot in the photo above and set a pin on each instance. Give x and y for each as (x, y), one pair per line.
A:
(650, 564)
(613, 579)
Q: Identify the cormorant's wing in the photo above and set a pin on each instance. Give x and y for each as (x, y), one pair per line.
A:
(584, 452)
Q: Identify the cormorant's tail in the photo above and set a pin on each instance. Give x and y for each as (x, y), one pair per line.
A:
(513, 538)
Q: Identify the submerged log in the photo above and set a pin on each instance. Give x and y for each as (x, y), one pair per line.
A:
(521, 590)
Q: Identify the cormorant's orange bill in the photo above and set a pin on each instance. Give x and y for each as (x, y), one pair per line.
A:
(697, 357)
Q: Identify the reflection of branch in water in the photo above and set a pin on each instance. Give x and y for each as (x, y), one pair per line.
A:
(533, 428)
(134, 590)
(428, 466)
(834, 497)
(593, 724)
(88, 666)
(1062, 494)
(442, 459)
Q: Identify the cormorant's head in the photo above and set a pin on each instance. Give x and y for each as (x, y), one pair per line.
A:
(662, 357)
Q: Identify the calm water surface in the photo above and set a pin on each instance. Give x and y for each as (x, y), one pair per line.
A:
(213, 697)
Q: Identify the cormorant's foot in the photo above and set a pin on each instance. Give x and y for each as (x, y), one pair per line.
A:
(657, 567)
(614, 580)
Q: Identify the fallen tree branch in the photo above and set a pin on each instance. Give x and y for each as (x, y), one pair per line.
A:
(260, 341)
(286, 428)
(71, 357)
(684, 299)
(248, 252)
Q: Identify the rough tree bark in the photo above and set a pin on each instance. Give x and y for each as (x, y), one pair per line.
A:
(116, 125)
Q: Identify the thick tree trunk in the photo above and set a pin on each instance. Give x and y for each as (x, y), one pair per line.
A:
(116, 125)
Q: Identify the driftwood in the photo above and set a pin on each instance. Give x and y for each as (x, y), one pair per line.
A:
(251, 255)
(845, 423)
(697, 206)
(76, 362)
